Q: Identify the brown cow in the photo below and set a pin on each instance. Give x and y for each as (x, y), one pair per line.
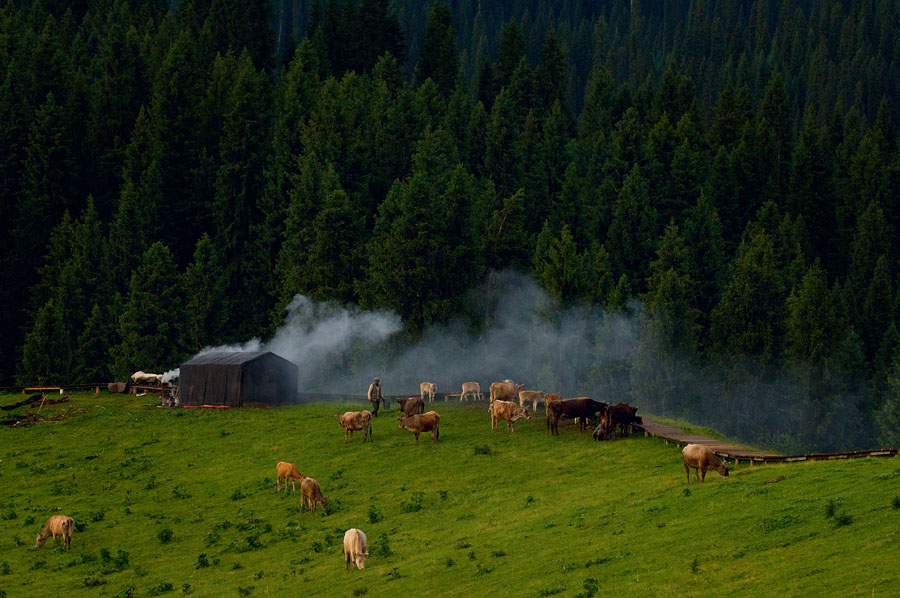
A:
(701, 458)
(471, 389)
(355, 550)
(311, 493)
(505, 391)
(424, 422)
(355, 420)
(621, 416)
(427, 389)
(535, 396)
(509, 411)
(287, 471)
(411, 405)
(57, 525)
(582, 407)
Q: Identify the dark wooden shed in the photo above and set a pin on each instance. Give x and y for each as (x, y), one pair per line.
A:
(235, 379)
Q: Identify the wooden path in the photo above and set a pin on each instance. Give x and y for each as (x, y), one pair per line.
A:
(736, 453)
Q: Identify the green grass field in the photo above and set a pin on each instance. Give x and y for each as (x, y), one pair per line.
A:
(174, 502)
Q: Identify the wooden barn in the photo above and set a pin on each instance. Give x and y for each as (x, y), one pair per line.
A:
(237, 379)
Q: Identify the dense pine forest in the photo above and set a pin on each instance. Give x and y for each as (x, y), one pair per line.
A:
(723, 173)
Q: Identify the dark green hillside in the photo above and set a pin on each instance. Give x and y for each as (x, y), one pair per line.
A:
(722, 175)
(183, 502)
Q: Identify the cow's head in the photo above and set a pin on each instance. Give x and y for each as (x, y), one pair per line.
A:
(39, 541)
(722, 468)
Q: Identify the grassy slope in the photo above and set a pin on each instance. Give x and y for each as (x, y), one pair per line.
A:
(538, 516)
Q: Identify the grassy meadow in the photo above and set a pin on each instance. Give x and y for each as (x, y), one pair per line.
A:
(174, 502)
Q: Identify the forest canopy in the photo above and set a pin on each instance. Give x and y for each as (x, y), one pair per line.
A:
(725, 173)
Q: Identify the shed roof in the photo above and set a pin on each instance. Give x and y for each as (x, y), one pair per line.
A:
(227, 357)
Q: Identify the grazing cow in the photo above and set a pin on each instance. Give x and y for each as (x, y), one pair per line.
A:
(535, 396)
(424, 422)
(411, 405)
(621, 416)
(505, 391)
(427, 389)
(355, 550)
(509, 411)
(146, 378)
(310, 494)
(287, 471)
(701, 458)
(57, 525)
(471, 389)
(355, 420)
(582, 407)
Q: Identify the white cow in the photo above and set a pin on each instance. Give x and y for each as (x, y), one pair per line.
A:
(355, 550)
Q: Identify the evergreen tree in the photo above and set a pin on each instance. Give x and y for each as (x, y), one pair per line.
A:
(205, 297)
(557, 264)
(438, 60)
(151, 324)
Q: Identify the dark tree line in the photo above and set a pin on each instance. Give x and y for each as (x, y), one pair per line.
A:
(168, 182)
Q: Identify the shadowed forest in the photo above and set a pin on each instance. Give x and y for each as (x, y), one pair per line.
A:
(721, 175)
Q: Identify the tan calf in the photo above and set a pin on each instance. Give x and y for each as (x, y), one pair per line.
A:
(57, 525)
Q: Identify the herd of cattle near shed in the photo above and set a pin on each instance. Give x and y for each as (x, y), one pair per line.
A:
(612, 419)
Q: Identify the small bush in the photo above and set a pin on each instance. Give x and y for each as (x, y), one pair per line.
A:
(695, 566)
(164, 535)
(92, 582)
(394, 574)
(415, 503)
(9, 515)
(498, 553)
(38, 565)
(382, 547)
(98, 516)
(482, 450)
(590, 588)
(686, 492)
(162, 588)
(830, 508)
(842, 519)
(317, 547)
(179, 492)
(360, 591)
(443, 494)
(479, 570)
(896, 502)
(450, 562)
(245, 591)
(186, 589)
(4, 568)
(374, 515)
(127, 591)
(29, 520)
(258, 575)
(238, 494)
(202, 561)
(550, 592)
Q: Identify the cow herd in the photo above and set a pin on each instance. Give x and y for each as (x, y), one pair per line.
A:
(612, 420)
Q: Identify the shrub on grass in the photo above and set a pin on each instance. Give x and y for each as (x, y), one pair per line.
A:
(127, 591)
(374, 515)
(93, 582)
(29, 520)
(896, 502)
(590, 588)
(842, 519)
(360, 591)
(162, 588)
(202, 561)
(164, 535)
(415, 503)
(481, 449)
(245, 591)
(186, 589)
(4, 568)
(382, 547)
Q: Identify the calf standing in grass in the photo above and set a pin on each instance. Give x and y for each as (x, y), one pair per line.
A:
(701, 458)
(57, 525)
(424, 422)
(287, 471)
(355, 550)
(311, 493)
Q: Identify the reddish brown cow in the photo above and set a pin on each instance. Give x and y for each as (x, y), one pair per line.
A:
(505, 391)
(411, 405)
(355, 420)
(509, 411)
(582, 407)
(622, 416)
(311, 494)
(287, 471)
(701, 458)
(424, 422)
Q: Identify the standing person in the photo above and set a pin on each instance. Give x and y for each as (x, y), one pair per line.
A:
(375, 396)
